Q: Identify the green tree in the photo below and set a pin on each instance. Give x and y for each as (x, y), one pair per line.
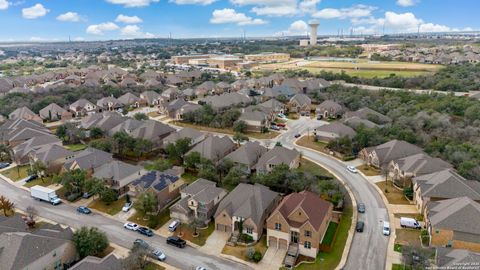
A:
(140, 116)
(146, 203)
(6, 205)
(239, 138)
(240, 126)
(73, 181)
(192, 160)
(96, 133)
(5, 154)
(177, 150)
(90, 241)
(160, 165)
(37, 168)
(108, 195)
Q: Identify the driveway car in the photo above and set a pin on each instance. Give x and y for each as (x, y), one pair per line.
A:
(127, 206)
(131, 226)
(361, 208)
(360, 225)
(141, 243)
(31, 178)
(176, 241)
(84, 210)
(352, 169)
(4, 165)
(145, 231)
(298, 135)
(159, 255)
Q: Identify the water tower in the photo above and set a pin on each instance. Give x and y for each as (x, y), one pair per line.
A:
(313, 31)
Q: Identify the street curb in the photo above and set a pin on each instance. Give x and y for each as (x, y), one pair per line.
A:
(235, 259)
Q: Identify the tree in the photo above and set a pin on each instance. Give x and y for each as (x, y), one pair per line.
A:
(70, 133)
(5, 154)
(142, 147)
(192, 160)
(96, 133)
(233, 177)
(73, 181)
(137, 259)
(161, 165)
(177, 150)
(240, 126)
(239, 137)
(90, 241)
(31, 215)
(146, 203)
(37, 168)
(6, 205)
(108, 195)
(140, 116)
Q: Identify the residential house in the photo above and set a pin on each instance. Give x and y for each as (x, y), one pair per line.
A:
(127, 126)
(199, 200)
(333, 131)
(171, 94)
(14, 132)
(278, 155)
(369, 114)
(449, 258)
(118, 175)
(109, 104)
(24, 113)
(214, 148)
(108, 262)
(329, 109)
(53, 112)
(300, 103)
(53, 156)
(226, 101)
(402, 170)
(355, 122)
(194, 135)
(129, 99)
(20, 153)
(177, 108)
(205, 88)
(379, 156)
(151, 98)
(248, 207)
(247, 155)
(274, 107)
(454, 223)
(314, 85)
(300, 221)
(128, 83)
(442, 185)
(88, 159)
(83, 107)
(255, 119)
(152, 131)
(164, 186)
(279, 91)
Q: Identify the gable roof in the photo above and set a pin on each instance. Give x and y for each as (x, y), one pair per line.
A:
(276, 156)
(51, 110)
(23, 113)
(119, 171)
(338, 129)
(152, 130)
(94, 263)
(459, 214)
(247, 154)
(448, 258)
(52, 152)
(368, 114)
(421, 164)
(156, 180)
(447, 184)
(185, 132)
(213, 147)
(301, 100)
(395, 149)
(248, 201)
(203, 190)
(128, 99)
(89, 158)
(314, 207)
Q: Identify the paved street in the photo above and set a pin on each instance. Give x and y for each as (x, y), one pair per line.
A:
(369, 249)
(186, 258)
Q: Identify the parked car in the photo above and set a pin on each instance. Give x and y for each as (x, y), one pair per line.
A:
(406, 222)
(87, 195)
(361, 207)
(200, 268)
(360, 226)
(30, 178)
(141, 243)
(176, 241)
(352, 169)
(131, 226)
(4, 165)
(386, 228)
(173, 225)
(145, 231)
(159, 255)
(84, 210)
(298, 135)
(127, 206)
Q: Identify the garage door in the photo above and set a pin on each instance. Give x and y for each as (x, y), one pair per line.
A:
(282, 244)
(272, 242)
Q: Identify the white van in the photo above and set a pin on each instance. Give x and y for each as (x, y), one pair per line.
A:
(406, 222)
(173, 226)
(386, 228)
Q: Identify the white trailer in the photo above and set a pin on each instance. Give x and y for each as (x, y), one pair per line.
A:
(44, 194)
(406, 222)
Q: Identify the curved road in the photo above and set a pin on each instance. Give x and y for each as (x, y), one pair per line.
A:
(369, 249)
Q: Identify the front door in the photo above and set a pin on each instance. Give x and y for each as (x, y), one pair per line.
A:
(294, 237)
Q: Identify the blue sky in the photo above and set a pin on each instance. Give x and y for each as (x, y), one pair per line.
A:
(42, 20)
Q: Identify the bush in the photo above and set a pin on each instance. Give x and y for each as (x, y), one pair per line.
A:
(153, 222)
(246, 238)
(408, 192)
(73, 196)
(348, 158)
(257, 256)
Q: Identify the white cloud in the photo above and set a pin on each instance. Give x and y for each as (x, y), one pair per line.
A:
(69, 17)
(79, 39)
(275, 10)
(308, 6)
(133, 3)
(296, 28)
(279, 7)
(4, 4)
(100, 29)
(228, 15)
(134, 31)
(357, 11)
(128, 19)
(193, 2)
(34, 12)
(406, 3)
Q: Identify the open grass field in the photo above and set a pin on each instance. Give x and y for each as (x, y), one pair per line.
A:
(361, 68)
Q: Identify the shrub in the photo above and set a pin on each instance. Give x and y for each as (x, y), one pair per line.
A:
(408, 192)
(73, 196)
(246, 238)
(257, 256)
(153, 222)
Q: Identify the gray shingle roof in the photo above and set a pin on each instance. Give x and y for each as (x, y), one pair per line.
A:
(52, 152)
(247, 154)
(156, 180)
(459, 214)
(110, 262)
(367, 113)
(448, 258)
(119, 171)
(213, 147)
(89, 158)
(152, 130)
(447, 184)
(276, 156)
(338, 129)
(422, 164)
(52, 110)
(183, 133)
(395, 149)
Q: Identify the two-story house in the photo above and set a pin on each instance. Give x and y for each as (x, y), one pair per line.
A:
(277, 156)
(118, 175)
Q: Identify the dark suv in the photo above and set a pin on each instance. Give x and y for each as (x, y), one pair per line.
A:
(145, 231)
(176, 241)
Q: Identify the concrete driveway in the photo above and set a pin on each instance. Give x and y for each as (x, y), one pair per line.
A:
(215, 243)
(273, 259)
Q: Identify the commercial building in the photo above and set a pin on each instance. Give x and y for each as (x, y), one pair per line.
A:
(268, 57)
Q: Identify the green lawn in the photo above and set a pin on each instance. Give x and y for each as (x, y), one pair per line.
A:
(400, 267)
(45, 182)
(111, 209)
(154, 266)
(329, 261)
(162, 217)
(328, 238)
(76, 147)
(17, 173)
(397, 247)
(241, 251)
(315, 169)
(203, 233)
(393, 194)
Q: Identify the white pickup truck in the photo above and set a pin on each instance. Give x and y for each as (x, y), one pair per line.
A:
(44, 194)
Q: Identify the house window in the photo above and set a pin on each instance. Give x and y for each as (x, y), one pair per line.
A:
(307, 245)
(308, 234)
(249, 230)
(278, 226)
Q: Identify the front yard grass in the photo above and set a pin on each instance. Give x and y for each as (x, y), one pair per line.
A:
(76, 147)
(400, 267)
(368, 171)
(393, 194)
(203, 234)
(313, 168)
(263, 135)
(154, 266)
(329, 261)
(189, 177)
(408, 237)
(111, 209)
(162, 218)
(241, 251)
(16, 173)
(307, 141)
(328, 238)
(45, 182)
